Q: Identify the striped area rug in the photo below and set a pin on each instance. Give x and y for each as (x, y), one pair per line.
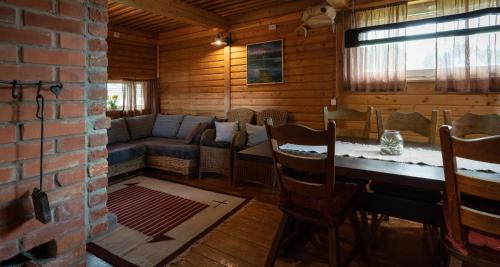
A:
(158, 220)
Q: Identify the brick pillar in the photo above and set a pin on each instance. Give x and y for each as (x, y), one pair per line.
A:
(54, 40)
(97, 122)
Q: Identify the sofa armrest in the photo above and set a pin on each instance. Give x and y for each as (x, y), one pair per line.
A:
(240, 139)
(208, 134)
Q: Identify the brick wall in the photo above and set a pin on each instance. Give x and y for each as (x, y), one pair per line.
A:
(49, 40)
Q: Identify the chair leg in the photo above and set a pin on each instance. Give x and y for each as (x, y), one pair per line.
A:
(358, 235)
(273, 252)
(333, 247)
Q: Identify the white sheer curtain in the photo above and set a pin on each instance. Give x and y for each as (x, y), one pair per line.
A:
(468, 63)
(376, 68)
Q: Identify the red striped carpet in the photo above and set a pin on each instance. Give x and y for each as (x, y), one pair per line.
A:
(149, 211)
(157, 220)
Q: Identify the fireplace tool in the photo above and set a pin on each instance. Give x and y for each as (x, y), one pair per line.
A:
(39, 197)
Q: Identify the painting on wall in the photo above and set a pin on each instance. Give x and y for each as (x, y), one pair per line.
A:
(265, 62)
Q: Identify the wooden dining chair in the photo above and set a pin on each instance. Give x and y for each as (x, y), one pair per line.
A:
(309, 193)
(345, 115)
(409, 121)
(470, 229)
(473, 124)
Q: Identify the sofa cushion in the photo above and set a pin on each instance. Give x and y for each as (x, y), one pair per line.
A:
(175, 148)
(225, 131)
(256, 134)
(118, 132)
(189, 122)
(122, 152)
(167, 125)
(140, 126)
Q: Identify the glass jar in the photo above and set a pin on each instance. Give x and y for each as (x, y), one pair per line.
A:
(391, 143)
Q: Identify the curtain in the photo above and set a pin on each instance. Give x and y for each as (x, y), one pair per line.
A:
(376, 68)
(140, 97)
(467, 64)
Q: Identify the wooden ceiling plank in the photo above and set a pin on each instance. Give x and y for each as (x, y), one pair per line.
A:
(181, 12)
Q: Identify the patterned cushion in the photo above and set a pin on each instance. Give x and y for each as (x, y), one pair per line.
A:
(140, 126)
(118, 132)
(191, 121)
(174, 148)
(118, 153)
(167, 125)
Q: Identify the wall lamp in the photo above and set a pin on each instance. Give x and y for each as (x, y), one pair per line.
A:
(221, 40)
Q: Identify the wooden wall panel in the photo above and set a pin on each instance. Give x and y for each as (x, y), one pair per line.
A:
(192, 77)
(132, 55)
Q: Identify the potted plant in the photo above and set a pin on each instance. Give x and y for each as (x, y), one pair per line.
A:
(112, 102)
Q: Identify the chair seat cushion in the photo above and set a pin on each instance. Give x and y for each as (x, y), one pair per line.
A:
(406, 192)
(212, 143)
(175, 148)
(123, 152)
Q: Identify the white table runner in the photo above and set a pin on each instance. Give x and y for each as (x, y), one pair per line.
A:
(410, 155)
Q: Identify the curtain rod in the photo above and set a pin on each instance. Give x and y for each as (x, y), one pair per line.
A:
(352, 35)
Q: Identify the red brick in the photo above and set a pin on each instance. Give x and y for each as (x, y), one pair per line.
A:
(7, 134)
(102, 3)
(71, 110)
(71, 41)
(71, 8)
(52, 128)
(55, 57)
(74, 257)
(68, 74)
(70, 144)
(53, 23)
(98, 169)
(6, 111)
(96, 109)
(45, 5)
(70, 240)
(98, 45)
(98, 229)
(10, 192)
(49, 232)
(98, 30)
(27, 111)
(8, 250)
(69, 209)
(23, 36)
(103, 123)
(53, 163)
(98, 140)
(72, 92)
(98, 77)
(68, 177)
(8, 53)
(66, 193)
(7, 174)
(96, 184)
(7, 153)
(98, 15)
(97, 154)
(29, 150)
(98, 213)
(98, 94)
(23, 72)
(7, 15)
(98, 61)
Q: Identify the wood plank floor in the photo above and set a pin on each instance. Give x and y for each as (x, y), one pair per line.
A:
(245, 238)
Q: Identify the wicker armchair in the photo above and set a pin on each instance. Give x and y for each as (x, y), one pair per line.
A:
(216, 157)
(250, 171)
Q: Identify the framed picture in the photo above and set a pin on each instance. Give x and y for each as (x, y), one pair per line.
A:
(265, 62)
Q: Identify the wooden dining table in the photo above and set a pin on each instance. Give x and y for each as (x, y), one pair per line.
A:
(407, 175)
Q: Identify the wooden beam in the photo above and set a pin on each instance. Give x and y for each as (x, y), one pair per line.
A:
(181, 12)
(339, 4)
(227, 79)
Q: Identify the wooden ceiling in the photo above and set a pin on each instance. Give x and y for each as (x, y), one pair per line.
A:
(121, 14)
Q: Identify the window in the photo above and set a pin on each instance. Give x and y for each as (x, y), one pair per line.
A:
(117, 95)
(115, 90)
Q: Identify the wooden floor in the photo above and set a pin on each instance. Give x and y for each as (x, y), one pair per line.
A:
(245, 238)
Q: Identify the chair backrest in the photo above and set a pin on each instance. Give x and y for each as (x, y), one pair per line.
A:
(305, 194)
(349, 115)
(472, 124)
(242, 116)
(278, 116)
(484, 149)
(411, 121)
